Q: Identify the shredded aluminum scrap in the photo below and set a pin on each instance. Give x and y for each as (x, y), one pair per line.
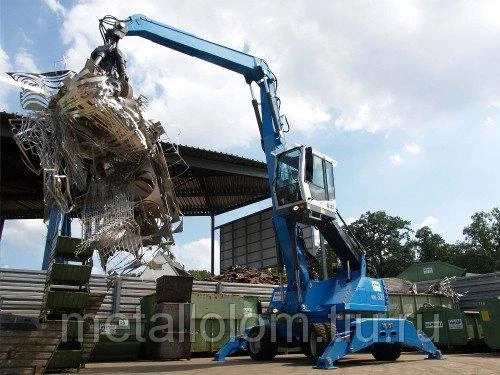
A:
(102, 159)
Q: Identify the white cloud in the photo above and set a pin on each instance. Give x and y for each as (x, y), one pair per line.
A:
(24, 61)
(412, 148)
(55, 6)
(429, 221)
(488, 121)
(5, 90)
(396, 69)
(396, 159)
(25, 237)
(350, 220)
(196, 255)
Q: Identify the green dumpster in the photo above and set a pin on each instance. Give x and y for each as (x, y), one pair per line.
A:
(436, 270)
(65, 300)
(490, 318)
(214, 319)
(449, 327)
(69, 274)
(118, 341)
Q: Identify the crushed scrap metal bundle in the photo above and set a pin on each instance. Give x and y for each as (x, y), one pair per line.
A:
(247, 275)
(101, 158)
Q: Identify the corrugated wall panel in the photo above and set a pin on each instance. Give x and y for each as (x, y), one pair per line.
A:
(21, 291)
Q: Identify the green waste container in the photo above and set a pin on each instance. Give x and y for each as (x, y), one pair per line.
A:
(66, 248)
(427, 271)
(65, 359)
(215, 318)
(490, 319)
(69, 274)
(119, 340)
(116, 351)
(148, 304)
(65, 300)
(218, 317)
(407, 304)
(449, 327)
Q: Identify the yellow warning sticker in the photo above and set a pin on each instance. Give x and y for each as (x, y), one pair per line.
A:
(485, 315)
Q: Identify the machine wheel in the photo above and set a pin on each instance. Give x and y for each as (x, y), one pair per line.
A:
(263, 349)
(318, 339)
(386, 352)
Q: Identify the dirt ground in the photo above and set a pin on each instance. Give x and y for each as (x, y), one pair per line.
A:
(408, 363)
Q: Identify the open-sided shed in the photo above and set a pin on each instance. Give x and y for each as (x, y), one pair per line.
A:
(212, 184)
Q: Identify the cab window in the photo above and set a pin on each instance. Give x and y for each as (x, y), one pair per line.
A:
(330, 182)
(287, 177)
(317, 185)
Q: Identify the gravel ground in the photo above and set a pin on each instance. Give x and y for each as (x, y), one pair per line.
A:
(363, 364)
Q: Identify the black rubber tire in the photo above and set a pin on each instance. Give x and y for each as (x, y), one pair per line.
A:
(319, 337)
(386, 352)
(263, 349)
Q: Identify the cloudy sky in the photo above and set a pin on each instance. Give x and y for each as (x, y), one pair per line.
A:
(404, 94)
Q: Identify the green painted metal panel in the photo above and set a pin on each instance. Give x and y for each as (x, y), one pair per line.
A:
(116, 351)
(490, 319)
(218, 305)
(66, 248)
(65, 359)
(148, 304)
(449, 327)
(431, 271)
(69, 274)
(200, 343)
(250, 312)
(215, 318)
(65, 300)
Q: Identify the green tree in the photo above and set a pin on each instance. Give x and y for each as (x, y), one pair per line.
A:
(201, 275)
(430, 246)
(387, 242)
(480, 251)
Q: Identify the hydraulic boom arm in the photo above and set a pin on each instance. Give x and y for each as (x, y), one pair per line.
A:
(267, 113)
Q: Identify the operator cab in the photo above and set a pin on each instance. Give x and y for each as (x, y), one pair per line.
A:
(304, 187)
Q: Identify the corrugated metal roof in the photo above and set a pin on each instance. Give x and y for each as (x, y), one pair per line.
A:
(213, 183)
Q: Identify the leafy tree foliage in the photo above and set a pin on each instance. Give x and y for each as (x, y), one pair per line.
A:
(387, 242)
(480, 251)
(201, 275)
(430, 246)
(390, 249)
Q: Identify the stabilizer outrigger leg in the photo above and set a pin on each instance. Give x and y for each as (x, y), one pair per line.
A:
(366, 332)
(233, 345)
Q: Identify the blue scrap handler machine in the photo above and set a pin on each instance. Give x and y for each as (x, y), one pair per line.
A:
(328, 318)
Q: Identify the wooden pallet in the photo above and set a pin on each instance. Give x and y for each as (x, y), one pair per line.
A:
(93, 305)
(28, 351)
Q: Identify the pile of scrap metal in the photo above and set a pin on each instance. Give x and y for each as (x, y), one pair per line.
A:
(246, 275)
(101, 159)
(400, 286)
(444, 288)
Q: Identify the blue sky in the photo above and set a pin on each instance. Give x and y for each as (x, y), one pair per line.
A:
(405, 95)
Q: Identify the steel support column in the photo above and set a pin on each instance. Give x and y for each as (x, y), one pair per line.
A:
(212, 243)
(323, 256)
